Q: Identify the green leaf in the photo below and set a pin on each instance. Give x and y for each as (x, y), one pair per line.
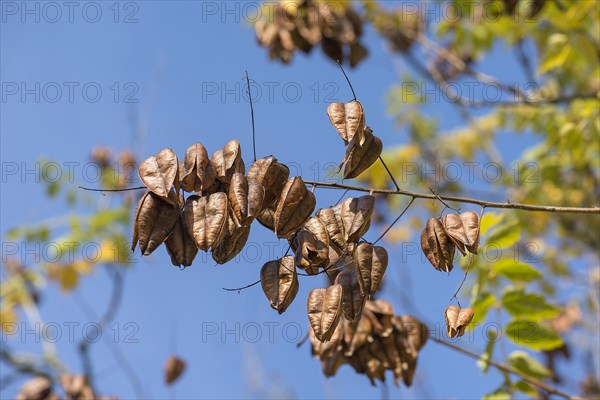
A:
(482, 305)
(533, 335)
(504, 235)
(526, 388)
(488, 221)
(515, 270)
(532, 306)
(498, 395)
(524, 363)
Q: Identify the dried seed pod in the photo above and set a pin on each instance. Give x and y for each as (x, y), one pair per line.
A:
(323, 350)
(348, 119)
(332, 219)
(437, 246)
(359, 157)
(294, 207)
(206, 219)
(352, 297)
(245, 198)
(311, 246)
(38, 388)
(410, 338)
(324, 310)
(463, 230)
(228, 161)
(470, 220)
(360, 335)
(160, 174)
(266, 217)
(279, 281)
(271, 175)
(358, 52)
(76, 387)
(455, 231)
(196, 170)
(356, 216)
(371, 263)
(380, 262)
(233, 241)
(180, 245)
(154, 220)
(174, 367)
(457, 320)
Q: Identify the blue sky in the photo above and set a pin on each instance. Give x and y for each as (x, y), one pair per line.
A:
(171, 58)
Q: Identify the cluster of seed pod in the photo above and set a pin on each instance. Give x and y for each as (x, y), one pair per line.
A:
(73, 386)
(362, 147)
(442, 236)
(377, 342)
(218, 216)
(303, 24)
(329, 242)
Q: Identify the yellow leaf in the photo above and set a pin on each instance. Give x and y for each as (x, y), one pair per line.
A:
(7, 317)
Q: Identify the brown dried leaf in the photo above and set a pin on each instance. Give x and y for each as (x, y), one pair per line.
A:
(352, 297)
(233, 241)
(294, 207)
(360, 157)
(348, 119)
(174, 367)
(356, 216)
(271, 175)
(279, 281)
(324, 310)
(180, 246)
(206, 219)
(160, 174)
(154, 220)
(196, 170)
(228, 161)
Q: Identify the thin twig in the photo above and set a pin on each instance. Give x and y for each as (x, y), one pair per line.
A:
(84, 345)
(507, 369)
(112, 190)
(389, 173)
(252, 114)
(443, 202)
(463, 280)
(396, 220)
(484, 203)
(346, 76)
(241, 288)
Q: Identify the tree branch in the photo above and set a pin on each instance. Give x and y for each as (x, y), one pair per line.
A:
(507, 369)
(483, 203)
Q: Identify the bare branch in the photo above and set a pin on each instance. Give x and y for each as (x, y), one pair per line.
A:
(507, 369)
(483, 203)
